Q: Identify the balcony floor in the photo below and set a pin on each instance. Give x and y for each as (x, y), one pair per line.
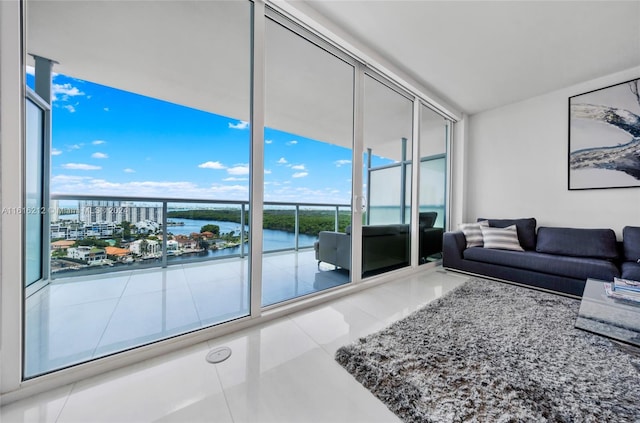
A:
(280, 371)
(76, 319)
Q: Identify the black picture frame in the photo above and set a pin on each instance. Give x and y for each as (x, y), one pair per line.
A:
(604, 137)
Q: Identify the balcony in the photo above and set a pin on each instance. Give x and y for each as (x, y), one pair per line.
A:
(94, 310)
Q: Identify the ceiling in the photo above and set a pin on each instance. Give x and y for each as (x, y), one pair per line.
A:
(476, 55)
(479, 55)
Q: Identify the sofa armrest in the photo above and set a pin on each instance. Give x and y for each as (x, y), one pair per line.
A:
(334, 248)
(430, 241)
(453, 245)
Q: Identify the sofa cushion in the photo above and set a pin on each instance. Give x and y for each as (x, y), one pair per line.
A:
(501, 238)
(631, 242)
(631, 270)
(379, 230)
(384, 230)
(574, 242)
(473, 233)
(571, 267)
(526, 229)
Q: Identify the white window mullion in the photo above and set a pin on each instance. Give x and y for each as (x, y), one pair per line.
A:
(11, 155)
(256, 184)
(415, 185)
(357, 201)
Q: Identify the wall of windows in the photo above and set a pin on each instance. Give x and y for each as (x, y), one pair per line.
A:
(335, 155)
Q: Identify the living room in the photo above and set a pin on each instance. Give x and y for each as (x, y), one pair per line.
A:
(509, 159)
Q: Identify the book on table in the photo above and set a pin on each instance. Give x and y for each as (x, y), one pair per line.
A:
(621, 294)
(626, 285)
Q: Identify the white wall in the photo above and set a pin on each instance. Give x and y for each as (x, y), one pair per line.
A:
(517, 166)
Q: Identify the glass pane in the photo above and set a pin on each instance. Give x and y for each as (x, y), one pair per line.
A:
(386, 235)
(33, 189)
(149, 169)
(385, 205)
(432, 191)
(307, 165)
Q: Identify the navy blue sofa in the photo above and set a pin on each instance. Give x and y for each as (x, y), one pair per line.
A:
(557, 259)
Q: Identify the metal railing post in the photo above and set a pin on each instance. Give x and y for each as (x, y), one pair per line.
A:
(336, 221)
(164, 233)
(296, 229)
(242, 210)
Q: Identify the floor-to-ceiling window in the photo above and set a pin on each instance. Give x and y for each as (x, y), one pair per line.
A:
(149, 175)
(36, 208)
(307, 162)
(388, 129)
(434, 133)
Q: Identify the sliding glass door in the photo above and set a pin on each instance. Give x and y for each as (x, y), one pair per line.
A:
(388, 139)
(150, 156)
(434, 131)
(307, 165)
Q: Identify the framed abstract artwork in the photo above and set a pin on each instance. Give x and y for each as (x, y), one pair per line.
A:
(604, 137)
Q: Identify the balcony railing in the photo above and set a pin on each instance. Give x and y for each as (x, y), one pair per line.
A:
(108, 233)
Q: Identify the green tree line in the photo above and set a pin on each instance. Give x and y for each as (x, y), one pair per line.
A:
(311, 221)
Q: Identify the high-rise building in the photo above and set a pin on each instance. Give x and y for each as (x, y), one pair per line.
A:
(99, 211)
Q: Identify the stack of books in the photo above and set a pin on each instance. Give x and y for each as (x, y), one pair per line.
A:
(623, 289)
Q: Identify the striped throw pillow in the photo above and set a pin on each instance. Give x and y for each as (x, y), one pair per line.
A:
(501, 238)
(473, 233)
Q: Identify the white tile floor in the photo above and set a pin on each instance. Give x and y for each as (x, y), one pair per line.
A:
(110, 312)
(281, 371)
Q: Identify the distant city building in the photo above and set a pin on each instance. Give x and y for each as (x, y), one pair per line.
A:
(145, 247)
(54, 214)
(87, 253)
(94, 211)
(74, 230)
(147, 226)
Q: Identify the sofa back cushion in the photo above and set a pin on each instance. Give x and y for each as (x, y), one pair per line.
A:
(576, 242)
(631, 242)
(385, 230)
(526, 229)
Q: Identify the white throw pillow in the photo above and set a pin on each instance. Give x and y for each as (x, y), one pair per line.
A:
(501, 238)
(473, 233)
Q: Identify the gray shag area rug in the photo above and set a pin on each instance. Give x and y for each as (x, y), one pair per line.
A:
(493, 352)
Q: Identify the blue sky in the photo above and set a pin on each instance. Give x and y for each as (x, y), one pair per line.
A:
(111, 142)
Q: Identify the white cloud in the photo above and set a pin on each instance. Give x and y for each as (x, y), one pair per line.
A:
(300, 174)
(80, 166)
(55, 152)
(99, 155)
(268, 141)
(128, 170)
(229, 189)
(239, 169)
(267, 172)
(340, 163)
(279, 192)
(177, 189)
(62, 92)
(282, 161)
(298, 167)
(74, 146)
(233, 178)
(212, 165)
(106, 109)
(70, 108)
(292, 142)
(240, 125)
(98, 142)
